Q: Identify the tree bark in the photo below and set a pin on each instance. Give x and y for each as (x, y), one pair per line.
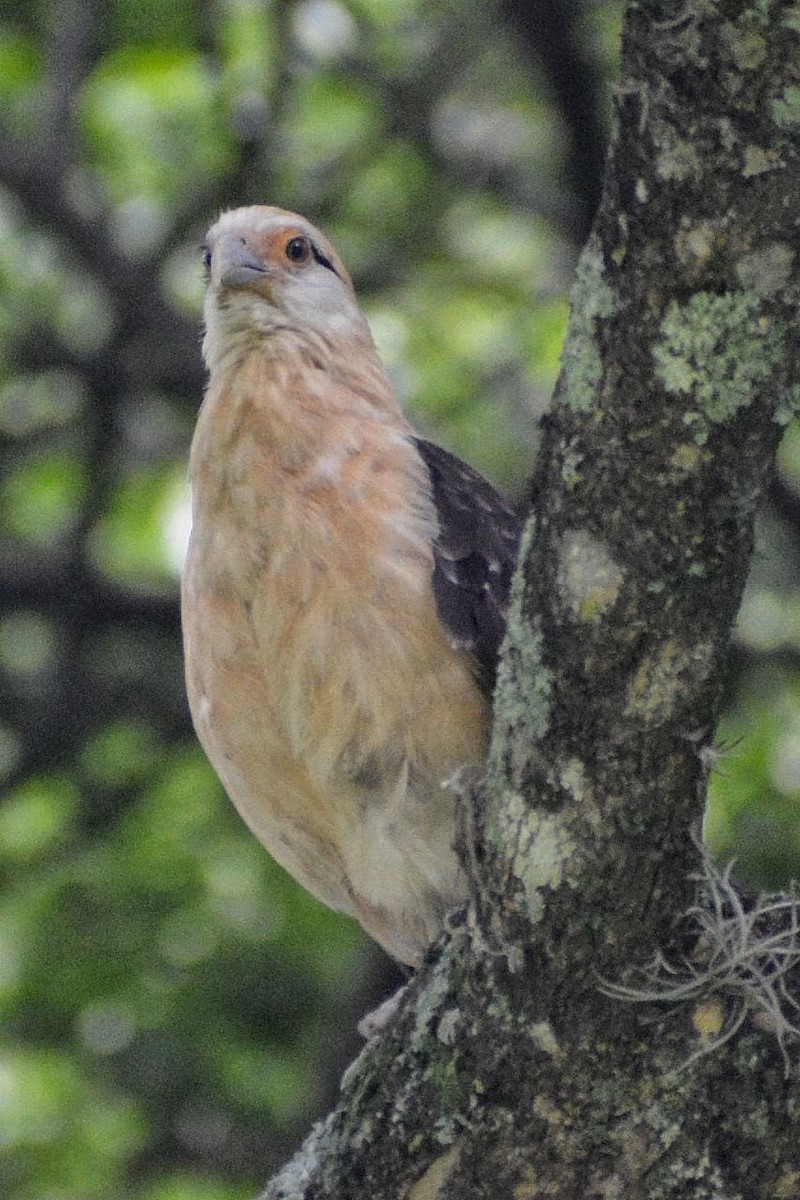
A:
(518, 1065)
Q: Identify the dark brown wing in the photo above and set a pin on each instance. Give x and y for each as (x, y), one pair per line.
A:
(474, 555)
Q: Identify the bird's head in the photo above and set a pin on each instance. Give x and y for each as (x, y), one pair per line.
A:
(270, 271)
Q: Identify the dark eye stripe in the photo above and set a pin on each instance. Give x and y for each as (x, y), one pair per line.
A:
(323, 261)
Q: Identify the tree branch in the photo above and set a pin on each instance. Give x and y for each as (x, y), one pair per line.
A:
(549, 32)
(40, 185)
(70, 49)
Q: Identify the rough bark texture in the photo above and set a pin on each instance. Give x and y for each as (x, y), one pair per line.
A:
(509, 1071)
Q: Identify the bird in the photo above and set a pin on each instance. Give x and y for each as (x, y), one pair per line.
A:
(344, 593)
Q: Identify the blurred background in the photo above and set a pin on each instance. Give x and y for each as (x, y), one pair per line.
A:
(175, 1011)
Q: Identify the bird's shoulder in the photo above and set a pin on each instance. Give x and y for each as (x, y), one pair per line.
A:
(475, 552)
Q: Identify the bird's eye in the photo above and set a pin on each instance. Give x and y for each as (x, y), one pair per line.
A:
(298, 250)
(206, 260)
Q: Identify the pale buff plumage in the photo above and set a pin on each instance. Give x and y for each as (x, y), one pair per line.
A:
(322, 683)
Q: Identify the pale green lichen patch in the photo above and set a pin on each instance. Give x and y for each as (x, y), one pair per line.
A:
(523, 682)
(695, 243)
(544, 1037)
(720, 350)
(768, 270)
(685, 458)
(787, 404)
(665, 678)
(571, 463)
(677, 159)
(786, 108)
(747, 47)
(429, 1005)
(589, 580)
(538, 846)
(432, 1183)
(295, 1176)
(756, 160)
(449, 1025)
(791, 18)
(591, 298)
(572, 777)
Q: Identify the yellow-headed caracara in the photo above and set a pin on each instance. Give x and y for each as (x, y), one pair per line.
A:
(344, 589)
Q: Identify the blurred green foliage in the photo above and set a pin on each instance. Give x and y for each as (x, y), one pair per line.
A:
(174, 1010)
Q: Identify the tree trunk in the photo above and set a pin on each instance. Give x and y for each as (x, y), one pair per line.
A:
(518, 1065)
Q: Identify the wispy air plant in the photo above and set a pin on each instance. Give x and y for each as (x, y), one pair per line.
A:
(745, 949)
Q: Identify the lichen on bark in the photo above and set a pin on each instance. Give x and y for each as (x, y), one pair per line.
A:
(720, 351)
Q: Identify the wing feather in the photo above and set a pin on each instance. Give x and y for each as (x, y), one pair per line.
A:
(474, 557)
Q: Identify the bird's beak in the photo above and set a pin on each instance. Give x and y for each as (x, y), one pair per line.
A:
(237, 265)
